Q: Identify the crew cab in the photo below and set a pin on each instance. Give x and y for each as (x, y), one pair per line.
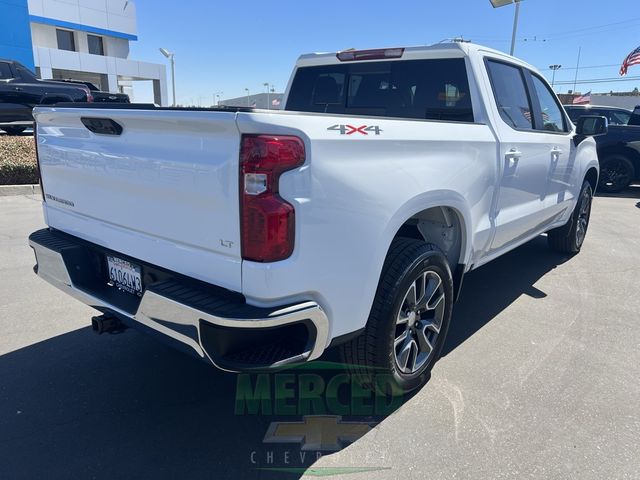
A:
(619, 149)
(21, 90)
(256, 239)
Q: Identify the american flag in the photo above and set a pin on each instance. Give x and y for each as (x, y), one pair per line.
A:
(586, 98)
(632, 59)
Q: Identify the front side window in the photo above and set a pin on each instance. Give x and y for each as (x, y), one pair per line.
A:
(96, 45)
(5, 71)
(66, 40)
(511, 95)
(422, 89)
(552, 117)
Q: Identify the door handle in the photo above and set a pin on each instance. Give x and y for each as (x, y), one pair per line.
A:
(555, 154)
(512, 157)
(514, 153)
(18, 89)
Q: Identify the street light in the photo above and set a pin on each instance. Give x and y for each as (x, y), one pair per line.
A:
(247, 90)
(171, 57)
(268, 95)
(554, 68)
(217, 95)
(502, 3)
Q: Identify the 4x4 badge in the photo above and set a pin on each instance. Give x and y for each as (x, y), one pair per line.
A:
(350, 129)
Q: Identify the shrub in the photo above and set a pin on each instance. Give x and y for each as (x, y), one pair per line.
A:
(17, 160)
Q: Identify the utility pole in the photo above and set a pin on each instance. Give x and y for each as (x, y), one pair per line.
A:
(575, 80)
(554, 67)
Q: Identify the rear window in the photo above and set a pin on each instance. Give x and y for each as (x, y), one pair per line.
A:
(421, 89)
(5, 71)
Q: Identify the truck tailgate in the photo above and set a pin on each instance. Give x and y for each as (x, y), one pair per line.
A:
(164, 191)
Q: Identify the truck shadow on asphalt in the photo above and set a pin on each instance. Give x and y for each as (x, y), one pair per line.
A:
(125, 406)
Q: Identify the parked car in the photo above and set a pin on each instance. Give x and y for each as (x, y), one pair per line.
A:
(98, 95)
(618, 150)
(256, 239)
(21, 90)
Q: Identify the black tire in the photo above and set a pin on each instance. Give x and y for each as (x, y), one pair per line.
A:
(372, 356)
(616, 173)
(570, 237)
(14, 130)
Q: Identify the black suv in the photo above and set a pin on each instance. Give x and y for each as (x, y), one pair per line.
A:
(619, 149)
(21, 90)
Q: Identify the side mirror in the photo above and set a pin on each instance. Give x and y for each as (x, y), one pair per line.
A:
(592, 126)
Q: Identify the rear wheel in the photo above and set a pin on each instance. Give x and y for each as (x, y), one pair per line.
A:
(570, 237)
(616, 173)
(14, 130)
(409, 319)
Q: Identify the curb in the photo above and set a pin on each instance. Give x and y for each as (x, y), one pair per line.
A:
(10, 190)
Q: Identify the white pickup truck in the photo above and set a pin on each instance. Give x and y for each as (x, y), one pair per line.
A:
(257, 239)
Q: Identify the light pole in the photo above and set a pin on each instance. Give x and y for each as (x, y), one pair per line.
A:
(247, 90)
(171, 57)
(554, 67)
(268, 95)
(217, 95)
(502, 3)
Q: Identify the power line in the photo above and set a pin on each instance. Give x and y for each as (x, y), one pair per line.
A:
(589, 30)
(597, 80)
(582, 68)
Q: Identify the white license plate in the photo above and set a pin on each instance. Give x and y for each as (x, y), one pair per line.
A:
(125, 275)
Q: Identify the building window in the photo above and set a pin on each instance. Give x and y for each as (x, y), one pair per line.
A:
(96, 47)
(66, 40)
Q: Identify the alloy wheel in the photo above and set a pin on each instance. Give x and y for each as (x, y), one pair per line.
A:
(418, 322)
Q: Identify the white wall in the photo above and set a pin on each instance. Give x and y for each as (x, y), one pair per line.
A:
(116, 15)
(43, 35)
(628, 102)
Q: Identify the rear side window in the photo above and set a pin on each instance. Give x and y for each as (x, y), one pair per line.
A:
(552, 117)
(421, 89)
(511, 95)
(5, 71)
(575, 113)
(615, 117)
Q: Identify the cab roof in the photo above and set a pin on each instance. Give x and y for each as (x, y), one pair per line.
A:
(453, 49)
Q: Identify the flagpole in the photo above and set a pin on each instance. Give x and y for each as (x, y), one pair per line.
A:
(575, 80)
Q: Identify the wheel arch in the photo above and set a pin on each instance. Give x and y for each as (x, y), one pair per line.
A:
(625, 151)
(592, 177)
(441, 218)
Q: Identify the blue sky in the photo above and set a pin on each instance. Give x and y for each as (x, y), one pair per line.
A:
(232, 45)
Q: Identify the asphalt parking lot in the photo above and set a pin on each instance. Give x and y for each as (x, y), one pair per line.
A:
(540, 379)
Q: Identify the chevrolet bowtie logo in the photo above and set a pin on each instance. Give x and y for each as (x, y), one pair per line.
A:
(317, 432)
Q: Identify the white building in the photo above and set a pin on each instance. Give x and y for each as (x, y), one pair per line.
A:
(89, 40)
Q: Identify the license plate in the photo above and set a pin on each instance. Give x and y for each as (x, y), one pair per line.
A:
(125, 275)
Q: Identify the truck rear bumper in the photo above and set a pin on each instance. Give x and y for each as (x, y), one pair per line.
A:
(215, 324)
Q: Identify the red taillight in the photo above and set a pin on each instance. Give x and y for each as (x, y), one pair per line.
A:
(35, 139)
(378, 54)
(267, 221)
(89, 94)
